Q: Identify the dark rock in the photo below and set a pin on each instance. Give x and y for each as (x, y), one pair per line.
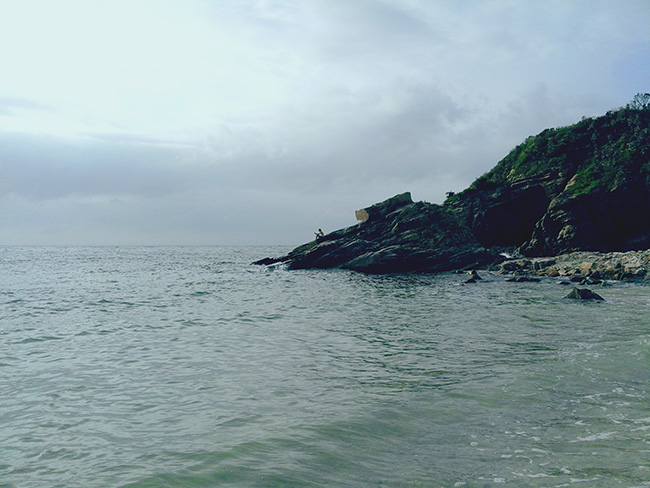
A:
(603, 220)
(583, 294)
(523, 279)
(596, 275)
(503, 216)
(267, 261)
(475, 277)
(396, 236)
(380, 210)
(589, 281)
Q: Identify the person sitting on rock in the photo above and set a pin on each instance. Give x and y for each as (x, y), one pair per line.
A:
(319, 234)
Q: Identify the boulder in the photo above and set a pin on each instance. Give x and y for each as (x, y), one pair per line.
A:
(583, 294)
(474, 277)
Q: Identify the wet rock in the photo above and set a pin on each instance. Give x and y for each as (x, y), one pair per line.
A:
(578, 278)
(596, 275)
(267, 261)
(583, 294)
(475, 277)
(523, 279)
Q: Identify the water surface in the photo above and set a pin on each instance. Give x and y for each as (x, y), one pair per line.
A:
(188, 367)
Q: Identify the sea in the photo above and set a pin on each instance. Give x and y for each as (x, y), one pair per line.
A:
(148, 367)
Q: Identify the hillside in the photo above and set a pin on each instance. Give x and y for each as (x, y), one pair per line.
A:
(582, 187)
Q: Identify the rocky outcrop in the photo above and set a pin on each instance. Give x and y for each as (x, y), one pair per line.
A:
(583, 294)
(582, 265)
(580, 188)
(395, 236)
(585, 187)
(506, 214)
(616, 219)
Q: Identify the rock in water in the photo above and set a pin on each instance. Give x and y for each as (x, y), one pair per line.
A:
(266, 261)
(583, 294)
(396, 236)
(523, 279)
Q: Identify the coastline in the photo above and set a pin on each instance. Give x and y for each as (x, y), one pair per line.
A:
(623, 266)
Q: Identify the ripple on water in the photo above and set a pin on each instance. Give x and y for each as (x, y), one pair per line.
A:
(187, 366)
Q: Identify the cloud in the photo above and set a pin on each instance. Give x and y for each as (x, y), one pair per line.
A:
(254, 121)
(11, 105)
(47, 168)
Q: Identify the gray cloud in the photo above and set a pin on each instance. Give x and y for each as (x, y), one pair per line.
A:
(46, 168)
(265, 119)
(10, 105)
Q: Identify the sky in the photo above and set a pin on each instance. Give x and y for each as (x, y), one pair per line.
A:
(256, 122)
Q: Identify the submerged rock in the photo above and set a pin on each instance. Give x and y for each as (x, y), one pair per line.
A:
(475, 278)
(395, 236)
(523, 279)
(583, 294)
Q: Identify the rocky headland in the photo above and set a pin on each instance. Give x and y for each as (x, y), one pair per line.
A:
(569, 201)
(395, 236)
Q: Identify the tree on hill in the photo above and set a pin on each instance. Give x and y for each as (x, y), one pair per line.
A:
(641, 101)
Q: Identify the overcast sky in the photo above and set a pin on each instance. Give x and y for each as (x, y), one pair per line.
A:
(257, 122)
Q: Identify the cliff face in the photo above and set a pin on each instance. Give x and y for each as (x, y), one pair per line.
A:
(583, 187)
(395, 236)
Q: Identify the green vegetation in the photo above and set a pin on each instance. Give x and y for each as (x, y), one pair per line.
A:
(600, 152)
(587, 180)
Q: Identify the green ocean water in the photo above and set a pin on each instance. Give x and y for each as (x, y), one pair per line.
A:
(188, 367)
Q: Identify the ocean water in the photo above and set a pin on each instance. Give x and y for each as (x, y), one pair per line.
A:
(189, 367)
